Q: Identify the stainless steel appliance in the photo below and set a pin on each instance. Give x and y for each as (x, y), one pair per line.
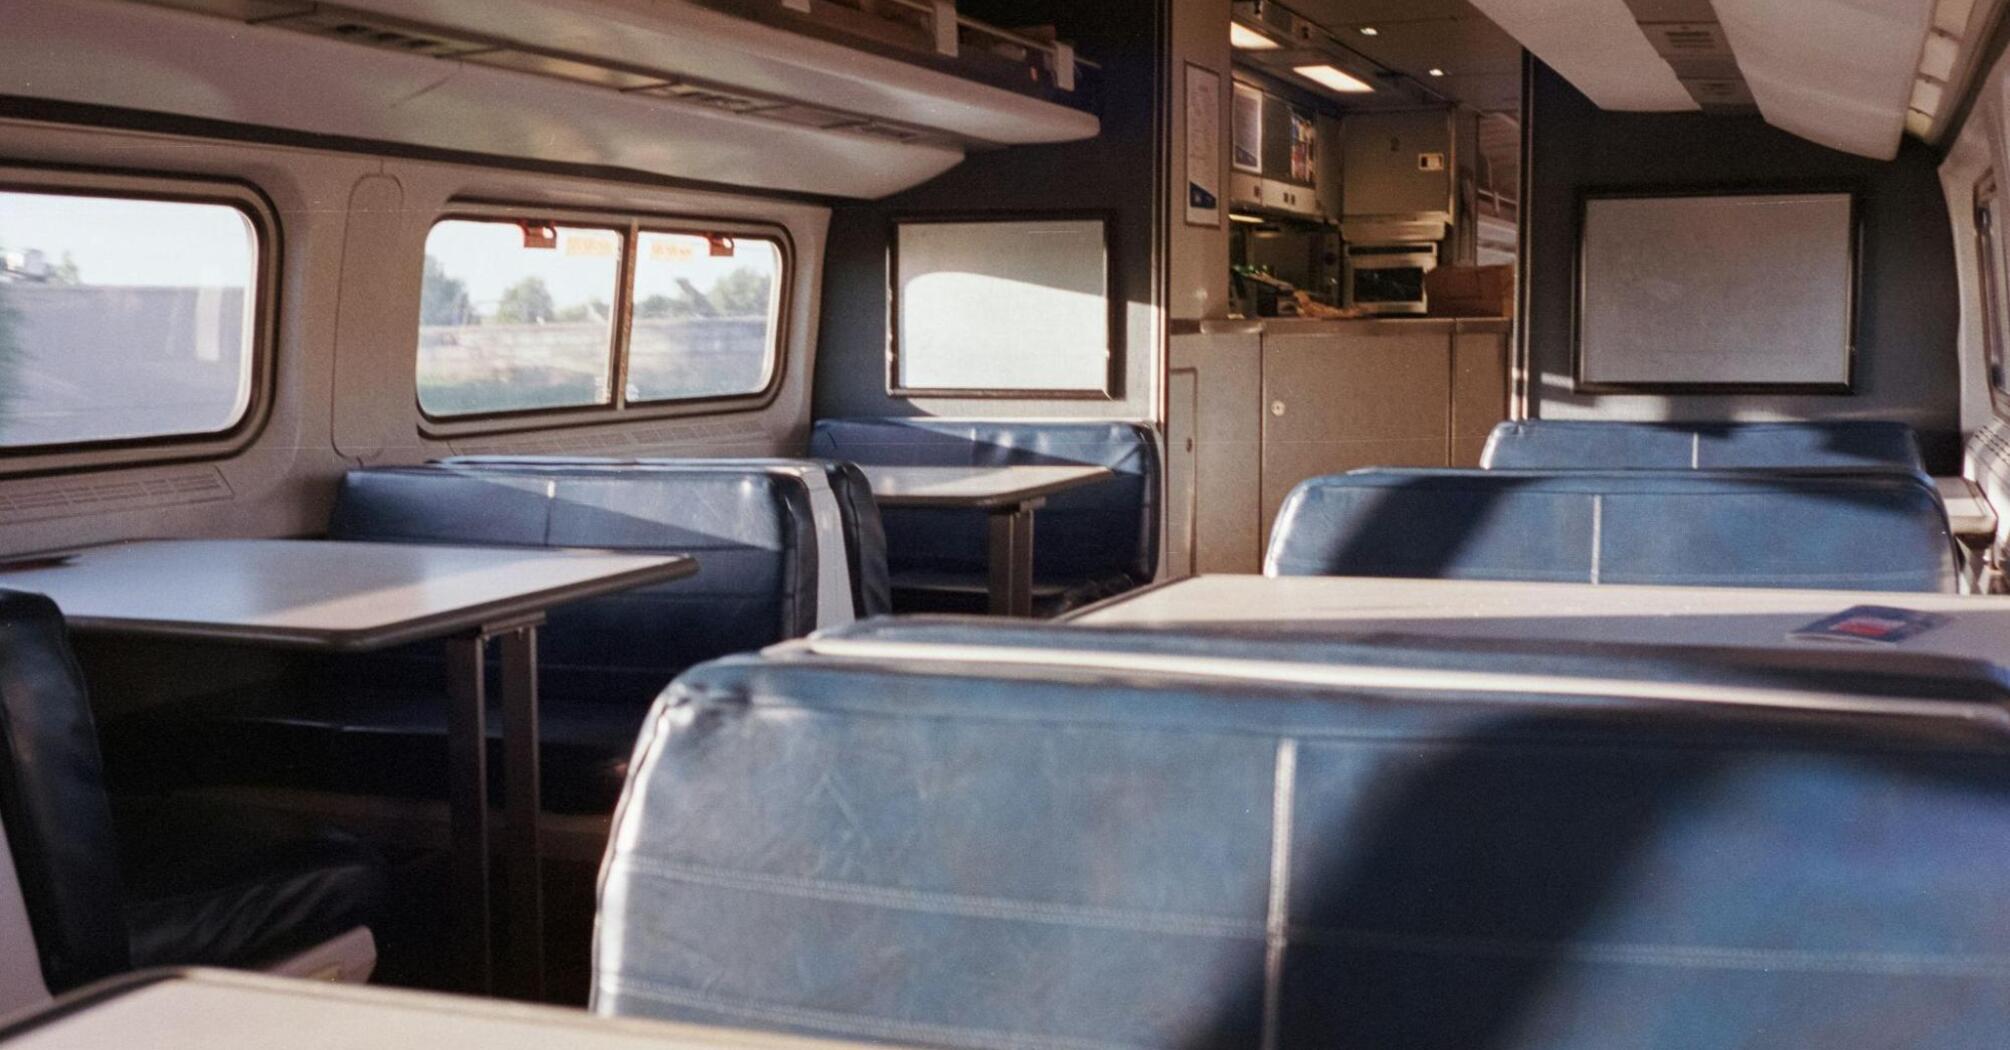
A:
(1388, 278)
(1274, 159)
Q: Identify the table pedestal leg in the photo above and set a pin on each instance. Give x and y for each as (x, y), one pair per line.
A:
(1011, 557)
(468, 808)
(522, 796)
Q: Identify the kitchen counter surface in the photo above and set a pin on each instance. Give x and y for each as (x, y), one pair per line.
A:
(1351, 326)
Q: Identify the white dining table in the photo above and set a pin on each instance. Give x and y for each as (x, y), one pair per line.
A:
(1009, 496)
(220, 1010)
(1976, 627)
(339, 597)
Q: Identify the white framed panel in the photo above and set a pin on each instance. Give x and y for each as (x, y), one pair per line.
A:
(1716, 292)
(1007, 307)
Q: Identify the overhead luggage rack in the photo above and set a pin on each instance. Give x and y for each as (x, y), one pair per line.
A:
(746, 57)
(1019, 60)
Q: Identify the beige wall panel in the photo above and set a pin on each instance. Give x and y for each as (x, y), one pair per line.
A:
(1197, 263)
(1182, 410)
(1479, 392)
(1228, 432)
(373, 347)
(1341, 402)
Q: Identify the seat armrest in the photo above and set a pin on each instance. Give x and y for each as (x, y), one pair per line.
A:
(1968, 511)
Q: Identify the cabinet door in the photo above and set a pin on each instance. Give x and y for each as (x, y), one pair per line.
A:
(1479, 392)
(1340, 402)
(1219, 489)
(1182, 408)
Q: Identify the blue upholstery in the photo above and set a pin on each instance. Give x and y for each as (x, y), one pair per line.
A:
(1094, 540)
(976, 855)
(226, 900)
(751, 530)
(376, 724)
(1543, 444)
(1881, 532)
(865, 537)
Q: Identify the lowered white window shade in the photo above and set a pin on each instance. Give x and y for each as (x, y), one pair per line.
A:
(1598, 46)
(1006, 308)
(1837, 72)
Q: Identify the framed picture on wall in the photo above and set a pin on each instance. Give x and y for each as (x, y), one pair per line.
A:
(1017, 306)
(1716, 292)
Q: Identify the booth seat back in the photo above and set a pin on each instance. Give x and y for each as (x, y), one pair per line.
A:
(1541, 444)
(1089, 533)
(858, 515)
(753, 531)
(53, 802)
(1878, 532)
(961, 854)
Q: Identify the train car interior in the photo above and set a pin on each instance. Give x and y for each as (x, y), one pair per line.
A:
(1004, 524)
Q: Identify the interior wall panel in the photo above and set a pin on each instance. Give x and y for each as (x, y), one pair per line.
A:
(352, 232)
(1115, 174)
(1908, 312)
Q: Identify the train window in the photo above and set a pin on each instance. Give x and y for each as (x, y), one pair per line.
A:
(124, 318)
(1013, 308)
(517, 316)
(704, 316)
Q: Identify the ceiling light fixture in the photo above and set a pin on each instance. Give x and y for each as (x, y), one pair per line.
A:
(1370, 31)
(1436, 72)
(1330, 77)
(1243, 38)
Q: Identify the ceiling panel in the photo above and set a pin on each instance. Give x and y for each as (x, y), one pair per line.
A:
(1599, 47)
(1335, 14)
(1491, 93)
(1481, 64)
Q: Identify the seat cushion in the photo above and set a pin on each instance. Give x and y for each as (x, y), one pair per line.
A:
(981, 854)
(752, 531)
(1095, 532)
(216, 909)
(1882, 532)
(1544, 444)
(376, 723)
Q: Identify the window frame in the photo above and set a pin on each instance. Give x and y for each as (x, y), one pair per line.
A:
(268, 247)
(616, 327)
(617, 408)
(1113, 374)
(1985, 200)
(777, 312)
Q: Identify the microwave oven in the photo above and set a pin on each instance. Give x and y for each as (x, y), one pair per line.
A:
(1389, 278)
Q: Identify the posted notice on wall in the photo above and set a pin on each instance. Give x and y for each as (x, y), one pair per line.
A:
(1203, 146)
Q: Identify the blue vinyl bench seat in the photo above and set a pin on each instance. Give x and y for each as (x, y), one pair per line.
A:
(1088, 543)
(864, 536)
(1545, 444)
(378, 723)
(968, 853)
(1851, 531)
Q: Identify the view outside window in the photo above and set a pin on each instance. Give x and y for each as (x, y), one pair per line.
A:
(704, 323)
(123, 318)
(517, 316)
